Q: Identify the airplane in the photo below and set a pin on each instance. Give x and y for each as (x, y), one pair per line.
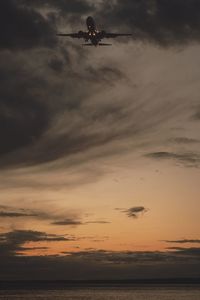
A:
(93, 35)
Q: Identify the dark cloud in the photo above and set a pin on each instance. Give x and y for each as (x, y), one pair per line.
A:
(184, 241)
(196, 116)
(46, 111)
(97, 222)
(12, 242)
(74, 222)
(188, 253)
(33, 101)
(25, 119)
(40, 215)
(105, 74)
(56, 219)
(10, 214)
(101, 264)
(65, 7)
(126, 257)
(23, 115)
(68, 222)
(161, 21)
(22, 27)
(23, 236)
(134, 212)
(188, 159)
(56, 64)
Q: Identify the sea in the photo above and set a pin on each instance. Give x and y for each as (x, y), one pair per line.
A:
(107, 293)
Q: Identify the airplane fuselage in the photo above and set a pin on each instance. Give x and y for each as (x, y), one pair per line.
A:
(93, 35)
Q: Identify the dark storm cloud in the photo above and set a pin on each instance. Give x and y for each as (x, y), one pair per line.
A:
(22, 27)
(184, 241)
(66, 7)
(188, 159)
(134, 212)
(161, 21)
(49, 108)
(23, 115)
(29, 120)
(32, 98)
(12, 242)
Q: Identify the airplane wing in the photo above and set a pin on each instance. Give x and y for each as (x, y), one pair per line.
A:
(114, 35)
(78, 35)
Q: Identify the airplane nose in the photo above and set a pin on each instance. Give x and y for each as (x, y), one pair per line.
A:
(89, 20)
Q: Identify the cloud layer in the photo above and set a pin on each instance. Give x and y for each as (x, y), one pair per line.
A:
(184, 241)
(97, 264)
(12, 242)
(160, 21)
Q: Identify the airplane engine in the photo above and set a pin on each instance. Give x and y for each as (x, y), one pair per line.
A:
(80, 33)
(103, 33)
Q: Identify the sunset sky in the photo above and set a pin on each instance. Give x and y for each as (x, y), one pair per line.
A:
(99, 152)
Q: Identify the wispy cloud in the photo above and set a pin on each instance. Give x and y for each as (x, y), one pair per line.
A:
(184, 241)
(185, 140)
(40, 215)
(10, 214)
(72, 219)
(67, 222)
(97, 222)
(71, 222)
(189, 159)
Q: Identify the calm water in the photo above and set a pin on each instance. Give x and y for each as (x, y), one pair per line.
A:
(107, 294)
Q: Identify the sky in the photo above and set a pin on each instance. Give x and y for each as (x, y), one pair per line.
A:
(99, 152)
